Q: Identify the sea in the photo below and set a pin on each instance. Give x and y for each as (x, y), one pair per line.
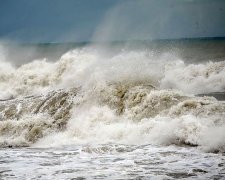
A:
(113, 110)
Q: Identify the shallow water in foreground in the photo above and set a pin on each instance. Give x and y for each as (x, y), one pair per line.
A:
(111, 161)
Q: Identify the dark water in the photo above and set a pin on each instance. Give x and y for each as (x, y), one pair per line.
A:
(189, 50)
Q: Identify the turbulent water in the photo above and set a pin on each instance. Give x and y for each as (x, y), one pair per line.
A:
(117, 112)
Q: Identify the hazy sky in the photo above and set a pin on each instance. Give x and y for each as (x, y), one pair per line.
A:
(84, 20)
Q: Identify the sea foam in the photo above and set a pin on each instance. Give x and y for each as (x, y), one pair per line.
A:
(130, 97)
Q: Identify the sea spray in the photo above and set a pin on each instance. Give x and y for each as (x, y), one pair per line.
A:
(131, 98)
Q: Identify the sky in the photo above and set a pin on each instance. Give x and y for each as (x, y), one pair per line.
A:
(109, 20)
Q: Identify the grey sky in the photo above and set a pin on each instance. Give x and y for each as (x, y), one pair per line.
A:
(84, 20)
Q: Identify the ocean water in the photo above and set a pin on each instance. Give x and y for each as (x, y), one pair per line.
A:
(122, 110)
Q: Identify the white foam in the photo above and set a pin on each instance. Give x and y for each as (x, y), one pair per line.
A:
(100, 125)
(118, 102)
(88, 66)
(195, 78)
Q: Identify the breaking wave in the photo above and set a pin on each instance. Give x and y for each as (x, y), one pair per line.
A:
(131, 97)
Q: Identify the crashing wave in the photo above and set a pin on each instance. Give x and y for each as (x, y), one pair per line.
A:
(129, 98)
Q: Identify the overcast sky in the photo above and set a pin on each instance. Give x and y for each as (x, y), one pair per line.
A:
(85, 20)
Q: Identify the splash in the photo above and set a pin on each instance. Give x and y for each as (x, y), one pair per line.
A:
(131, 97)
